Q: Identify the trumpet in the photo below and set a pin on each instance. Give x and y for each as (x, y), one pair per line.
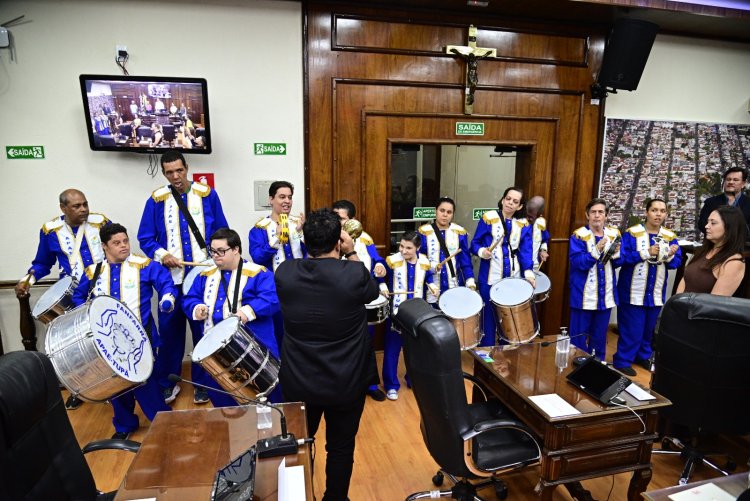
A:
(663, 251)
(284, 229)
(353, 228)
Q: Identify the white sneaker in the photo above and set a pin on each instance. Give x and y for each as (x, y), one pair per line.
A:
(170, 395)
(392, 394)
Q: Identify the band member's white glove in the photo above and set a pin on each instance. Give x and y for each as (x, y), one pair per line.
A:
(471, 284)
(484, 253)
(166, 304)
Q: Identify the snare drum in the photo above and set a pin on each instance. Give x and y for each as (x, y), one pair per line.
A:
(187, 282)
(239, 362)
(99, 350)
(543, 287)
(56, 301)
(377, 310)
(514, 305)
(463, 307)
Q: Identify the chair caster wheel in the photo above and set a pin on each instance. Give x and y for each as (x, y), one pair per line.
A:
(437, 480)
(501, 489)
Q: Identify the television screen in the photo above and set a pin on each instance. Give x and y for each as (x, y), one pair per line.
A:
(146, 114)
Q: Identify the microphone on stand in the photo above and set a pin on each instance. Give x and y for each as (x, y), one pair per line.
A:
(279, 445)
(547, 343)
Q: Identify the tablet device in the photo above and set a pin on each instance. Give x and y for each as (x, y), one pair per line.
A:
(598, 380)
(236, 481)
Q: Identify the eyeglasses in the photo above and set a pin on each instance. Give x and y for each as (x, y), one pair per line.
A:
(218, 252)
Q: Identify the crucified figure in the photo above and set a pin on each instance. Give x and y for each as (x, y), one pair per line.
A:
(472, 78)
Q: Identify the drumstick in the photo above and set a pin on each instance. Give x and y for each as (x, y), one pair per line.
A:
(449, 258)
(394, 293)
(494, 244)
(194, 263)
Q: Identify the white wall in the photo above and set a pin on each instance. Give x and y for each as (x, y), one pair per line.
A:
(249, 52)
(689, 80)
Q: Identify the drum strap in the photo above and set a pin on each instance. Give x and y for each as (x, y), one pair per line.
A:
(92, 284)
(444, 249)
(233, 304)
(189, 218)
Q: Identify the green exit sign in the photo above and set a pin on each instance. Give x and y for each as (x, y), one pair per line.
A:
(423, 213)
(270, 148)
(24, 152)
(470, 128)
(476, 214)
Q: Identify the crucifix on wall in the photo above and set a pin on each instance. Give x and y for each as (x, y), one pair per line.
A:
(471, 54)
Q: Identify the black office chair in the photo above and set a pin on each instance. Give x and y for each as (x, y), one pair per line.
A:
(169, 133)
(39, 455)
(702, 364)
(468, 441)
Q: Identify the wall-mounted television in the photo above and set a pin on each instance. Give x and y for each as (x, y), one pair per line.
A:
(146, 114)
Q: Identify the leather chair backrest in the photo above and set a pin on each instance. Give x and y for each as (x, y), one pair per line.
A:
(39, 455)
(432, 355)
(703, 362)
(168, 131)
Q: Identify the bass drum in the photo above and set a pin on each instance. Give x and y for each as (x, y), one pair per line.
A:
(543, 287)
(99, 350)
(56, 301)
(463, 307)
(187, 282)
(239, 362)
(513, 299)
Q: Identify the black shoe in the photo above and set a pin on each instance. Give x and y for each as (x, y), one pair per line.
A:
(73, 402)
(646, 363)
(376, 394)
(120, 435)
(628, 371)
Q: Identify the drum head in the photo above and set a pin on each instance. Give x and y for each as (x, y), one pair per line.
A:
(192, 275)
(215, 338)
(377, 302)
(460, 302)
(121, 339)
(511, 292)
(52, 296)
(543, 283)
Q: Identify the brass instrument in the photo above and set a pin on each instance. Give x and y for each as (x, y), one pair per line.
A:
(663, 251)
(283, 229)
(610, 251)
(353, 228)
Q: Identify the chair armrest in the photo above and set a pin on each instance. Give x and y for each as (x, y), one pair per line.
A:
(111, 444)
(495, 424)
(477, 384)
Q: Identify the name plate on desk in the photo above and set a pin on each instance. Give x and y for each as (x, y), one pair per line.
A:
(236, 481)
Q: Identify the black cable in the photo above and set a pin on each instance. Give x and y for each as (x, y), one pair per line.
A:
(153, 165)
(610, 489)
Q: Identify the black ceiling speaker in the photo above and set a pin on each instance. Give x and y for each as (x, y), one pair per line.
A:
(626, 53)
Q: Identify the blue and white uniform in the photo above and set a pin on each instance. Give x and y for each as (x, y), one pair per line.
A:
(455, 238)
(366, 251)
(510, 258)
(132, 282)
(402, 275)
(267, 250)
(642, 291)
(257, 300)
(164, 230)
(72, 248)
(592, 289)
(540, 238)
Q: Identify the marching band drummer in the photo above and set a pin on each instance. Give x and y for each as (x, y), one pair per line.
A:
(175, 223)
(278, 237)
(539, 231)
(71, 240)
(443, 239)
(408, 275)
(215, 295)
(592, 279)
(504, 244)
(367, 253)
(648, 252)
(131, 279)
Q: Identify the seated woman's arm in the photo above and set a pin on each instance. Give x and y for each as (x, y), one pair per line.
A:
(681, 287)
(729, 276)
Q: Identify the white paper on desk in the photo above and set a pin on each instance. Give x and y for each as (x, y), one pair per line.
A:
(291, 482)
(705, 492)
(554, 405)
(639, 393)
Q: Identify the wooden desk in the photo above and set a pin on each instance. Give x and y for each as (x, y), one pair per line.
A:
(734, 484)
(602, 440)
(182, 451)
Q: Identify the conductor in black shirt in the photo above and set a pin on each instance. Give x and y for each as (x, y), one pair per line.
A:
(328, 357)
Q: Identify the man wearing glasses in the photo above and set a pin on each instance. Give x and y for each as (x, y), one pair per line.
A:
(212, 298)
(175, 223)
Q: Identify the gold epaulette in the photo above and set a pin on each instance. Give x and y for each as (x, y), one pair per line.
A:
(161, 194)
(543, 224)
(263, 222)
(668, 234)
(426, 229)
(491, 217)
(614, 229)
(522, 223)
(209, 271)
(458, 229)
(89, 271)
(252, 269)
(394, 260)
(637, 230)
(97, 220)
(53, 225)
(138, 261)
(423, 262)
(200, 189)
(583, 233)
(366, 239)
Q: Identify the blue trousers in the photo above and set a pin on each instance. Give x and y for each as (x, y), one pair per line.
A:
(636, 325)
(172, 350)
(391, 353)
(489, 319)
(150, 399)
(595, 324)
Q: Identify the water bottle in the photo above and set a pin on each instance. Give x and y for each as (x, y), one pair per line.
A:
(562, 349)
(264, 415)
